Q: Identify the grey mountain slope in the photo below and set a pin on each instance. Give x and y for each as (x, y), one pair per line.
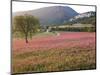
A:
(51, 15)
(83, 15)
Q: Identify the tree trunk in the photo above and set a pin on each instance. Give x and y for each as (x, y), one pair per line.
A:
(26, 38)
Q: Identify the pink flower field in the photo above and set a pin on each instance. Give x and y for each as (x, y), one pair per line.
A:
(64, 40)
(67, 51)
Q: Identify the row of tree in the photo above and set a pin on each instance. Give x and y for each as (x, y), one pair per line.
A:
(75, 29)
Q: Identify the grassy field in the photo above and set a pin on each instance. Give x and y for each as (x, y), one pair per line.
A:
(50, 52)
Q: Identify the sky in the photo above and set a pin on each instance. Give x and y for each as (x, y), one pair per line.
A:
(24, 6)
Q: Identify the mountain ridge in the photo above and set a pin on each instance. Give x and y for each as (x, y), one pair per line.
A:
(51, 15)
(84, 18)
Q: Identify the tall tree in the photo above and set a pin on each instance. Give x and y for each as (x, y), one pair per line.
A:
(26, 24)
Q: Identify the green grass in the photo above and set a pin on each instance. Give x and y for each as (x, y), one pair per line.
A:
(35, 35)
(54, 60)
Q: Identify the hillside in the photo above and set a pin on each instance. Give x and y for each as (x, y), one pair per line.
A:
(52, 15)
(84, 18)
